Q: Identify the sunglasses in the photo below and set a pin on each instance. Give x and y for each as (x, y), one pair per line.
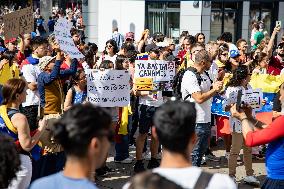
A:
(109, 46)
(224, 54)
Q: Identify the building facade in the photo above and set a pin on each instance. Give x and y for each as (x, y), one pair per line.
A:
(172, 17)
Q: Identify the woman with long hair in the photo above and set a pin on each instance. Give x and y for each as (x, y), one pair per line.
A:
(16, 125)
(78, 92)
(109, 53)
(239, 82)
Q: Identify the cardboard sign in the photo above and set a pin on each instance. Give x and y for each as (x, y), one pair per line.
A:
(108, 88)
(160, 71)
(18, 22)
(143, 84)
(63, 36)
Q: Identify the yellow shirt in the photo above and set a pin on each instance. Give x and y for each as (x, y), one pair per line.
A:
(5, 74)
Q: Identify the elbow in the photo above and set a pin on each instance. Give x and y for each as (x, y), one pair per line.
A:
(27, 146)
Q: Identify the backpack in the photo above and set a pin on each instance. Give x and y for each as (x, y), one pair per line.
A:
(178, 79)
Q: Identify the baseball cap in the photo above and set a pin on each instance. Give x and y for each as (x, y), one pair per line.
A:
(44, 61)
(234, 53)
(12, 40)
(129, 35)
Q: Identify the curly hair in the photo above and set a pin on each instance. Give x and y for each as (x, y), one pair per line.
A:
(239, 75)
(9, 160)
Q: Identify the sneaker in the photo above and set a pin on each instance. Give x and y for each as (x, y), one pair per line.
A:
(139, 167)
(146, 156)
(251, 180)
(153, 163)
(212, 157)
(203, 160)
(132, 147)
(125, 161)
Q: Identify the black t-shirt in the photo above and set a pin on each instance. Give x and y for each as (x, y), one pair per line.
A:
(277, 103)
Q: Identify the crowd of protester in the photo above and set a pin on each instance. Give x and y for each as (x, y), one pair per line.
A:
(58, 135)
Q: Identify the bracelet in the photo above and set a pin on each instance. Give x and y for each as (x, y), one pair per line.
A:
(244, 119)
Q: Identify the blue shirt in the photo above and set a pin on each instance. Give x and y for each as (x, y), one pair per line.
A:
(58, 180)
(275, 159)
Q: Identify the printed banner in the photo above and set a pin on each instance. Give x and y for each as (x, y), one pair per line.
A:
(160, 71)
(109, 88)
(63, 36)
(18, 22)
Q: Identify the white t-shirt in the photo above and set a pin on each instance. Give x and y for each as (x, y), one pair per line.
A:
(155, 99)
(189, 85)
(30, 73)
(107, 57)
(187, 177)
(231, 98)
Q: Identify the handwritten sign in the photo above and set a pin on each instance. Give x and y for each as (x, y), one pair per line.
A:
(18, 22)
(252, 97)
(63, 36)
(109, 88)
(160, 71)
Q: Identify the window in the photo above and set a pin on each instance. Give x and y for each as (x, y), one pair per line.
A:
(265, 13)
(224, 19)
(163, 17)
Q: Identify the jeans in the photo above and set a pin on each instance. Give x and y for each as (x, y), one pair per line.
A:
(121, 147)
(202, 131)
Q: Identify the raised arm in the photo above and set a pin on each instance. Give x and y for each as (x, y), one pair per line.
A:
(272, 39)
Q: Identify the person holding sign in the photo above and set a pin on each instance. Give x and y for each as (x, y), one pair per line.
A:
(51, 102)
(240, 80)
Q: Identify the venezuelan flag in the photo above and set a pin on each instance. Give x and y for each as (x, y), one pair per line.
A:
(142, 56)
(270, 86)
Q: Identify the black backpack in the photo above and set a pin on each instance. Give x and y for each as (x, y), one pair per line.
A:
(178, 79)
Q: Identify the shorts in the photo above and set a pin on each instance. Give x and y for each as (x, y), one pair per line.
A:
(146, 116)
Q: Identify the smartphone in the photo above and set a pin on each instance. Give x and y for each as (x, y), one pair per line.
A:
(278, 22)
(239, 100)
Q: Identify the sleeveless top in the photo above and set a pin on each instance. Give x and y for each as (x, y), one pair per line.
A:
(77, 96)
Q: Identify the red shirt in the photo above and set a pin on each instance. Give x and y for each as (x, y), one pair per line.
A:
(272, 132)
(275, 66)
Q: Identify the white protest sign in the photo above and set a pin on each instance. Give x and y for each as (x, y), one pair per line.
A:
(63, 36)
(161, 71)
(108, 88)
(252, 97)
